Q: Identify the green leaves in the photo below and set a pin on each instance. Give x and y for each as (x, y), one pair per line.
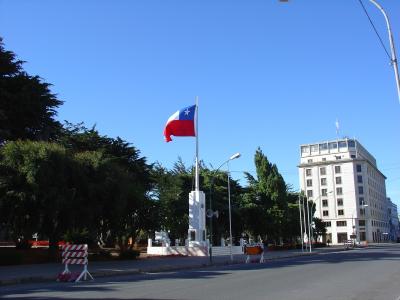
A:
(27, 106)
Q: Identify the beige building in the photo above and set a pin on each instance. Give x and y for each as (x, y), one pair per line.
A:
(342, 178)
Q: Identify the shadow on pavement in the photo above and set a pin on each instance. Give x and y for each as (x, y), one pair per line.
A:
(107, 285)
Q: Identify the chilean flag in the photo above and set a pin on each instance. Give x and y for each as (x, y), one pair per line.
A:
(181, 123)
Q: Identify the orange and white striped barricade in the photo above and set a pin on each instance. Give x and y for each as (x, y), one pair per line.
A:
(253, 250)
(75, 255)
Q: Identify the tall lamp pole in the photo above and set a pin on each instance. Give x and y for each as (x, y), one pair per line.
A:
(237, 155)
(234, 156)
(392, 49)
(301, 226)
(393, 57)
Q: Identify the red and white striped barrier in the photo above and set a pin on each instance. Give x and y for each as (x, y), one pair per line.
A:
(75, 255)
(82, 247)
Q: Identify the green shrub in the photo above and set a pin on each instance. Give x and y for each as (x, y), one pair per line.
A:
(129, 254)
(23, 244)
(78, 236)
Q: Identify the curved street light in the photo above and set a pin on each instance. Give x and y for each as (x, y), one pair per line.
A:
(393, 58)
(234, 156)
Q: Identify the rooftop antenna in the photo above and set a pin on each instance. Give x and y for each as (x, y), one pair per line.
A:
(337, 128)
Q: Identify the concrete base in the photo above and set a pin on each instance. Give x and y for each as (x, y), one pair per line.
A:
(178, 250)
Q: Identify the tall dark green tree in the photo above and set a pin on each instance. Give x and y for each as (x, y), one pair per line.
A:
(121, 182)
(27, 106)
(171, 189)
(265, 205)
(36, 194)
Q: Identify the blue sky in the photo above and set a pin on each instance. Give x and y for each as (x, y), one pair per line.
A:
(268, 74)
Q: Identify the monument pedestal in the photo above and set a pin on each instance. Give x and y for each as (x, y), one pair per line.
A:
(197, 220)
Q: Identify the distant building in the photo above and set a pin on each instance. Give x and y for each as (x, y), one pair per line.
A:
(393, 218)
(342, 178)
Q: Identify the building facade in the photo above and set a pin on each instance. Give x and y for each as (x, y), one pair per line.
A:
(342, 179)
(393, 221)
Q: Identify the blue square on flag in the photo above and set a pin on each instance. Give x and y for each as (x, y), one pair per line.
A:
(187, 113)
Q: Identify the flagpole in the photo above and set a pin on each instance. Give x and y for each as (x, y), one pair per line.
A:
(197, 188)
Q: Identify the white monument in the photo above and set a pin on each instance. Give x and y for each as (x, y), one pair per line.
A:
(197, 219)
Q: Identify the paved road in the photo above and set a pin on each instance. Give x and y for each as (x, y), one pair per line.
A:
(372, 273)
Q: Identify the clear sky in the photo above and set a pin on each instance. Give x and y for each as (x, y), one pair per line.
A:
(268, 74)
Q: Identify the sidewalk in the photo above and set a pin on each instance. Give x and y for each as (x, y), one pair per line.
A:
(48, 272)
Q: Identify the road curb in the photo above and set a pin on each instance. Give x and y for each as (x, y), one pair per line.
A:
(158, 269)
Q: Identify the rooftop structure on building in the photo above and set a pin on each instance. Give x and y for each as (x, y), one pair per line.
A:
(343, 180)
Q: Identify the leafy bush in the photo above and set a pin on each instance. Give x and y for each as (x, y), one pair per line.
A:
(78, 236)
(23, 244)
(129, 254)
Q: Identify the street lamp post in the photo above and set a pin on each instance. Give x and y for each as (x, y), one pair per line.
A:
(392, 49)
(234, 156)
(237, 155)
(301, 227)
(393, 58)
(309, 218)
(309, 224)
(304, 217)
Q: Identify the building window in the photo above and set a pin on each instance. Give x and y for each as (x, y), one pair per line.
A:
(323, 147)
(333, 145)
(338, 180)
(358, 167)
(362, 236)
(342, 144)
(351, 143)
(309, 161)
(340, 202)
(324, 159)
(339, 191)
(305, 149)
(308, 172)
(325, 213)
(340, 212)
(361, 200)
(314, 148)
(352, 156)
(359, 179)
(323, 181)
(341, 223)
(325, 203)
(337, 169)
(361, 222)
(360, 190)
(324, 192)
(338, 157)
(309, 193)
(309, 182)
(322, 171)
(327, 224)
(362, 212)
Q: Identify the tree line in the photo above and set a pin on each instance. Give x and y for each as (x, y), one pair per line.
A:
(70, 182)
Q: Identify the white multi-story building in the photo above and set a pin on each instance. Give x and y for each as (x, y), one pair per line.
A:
(342, 179)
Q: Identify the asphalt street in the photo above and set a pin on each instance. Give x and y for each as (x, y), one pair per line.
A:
(371, 273)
